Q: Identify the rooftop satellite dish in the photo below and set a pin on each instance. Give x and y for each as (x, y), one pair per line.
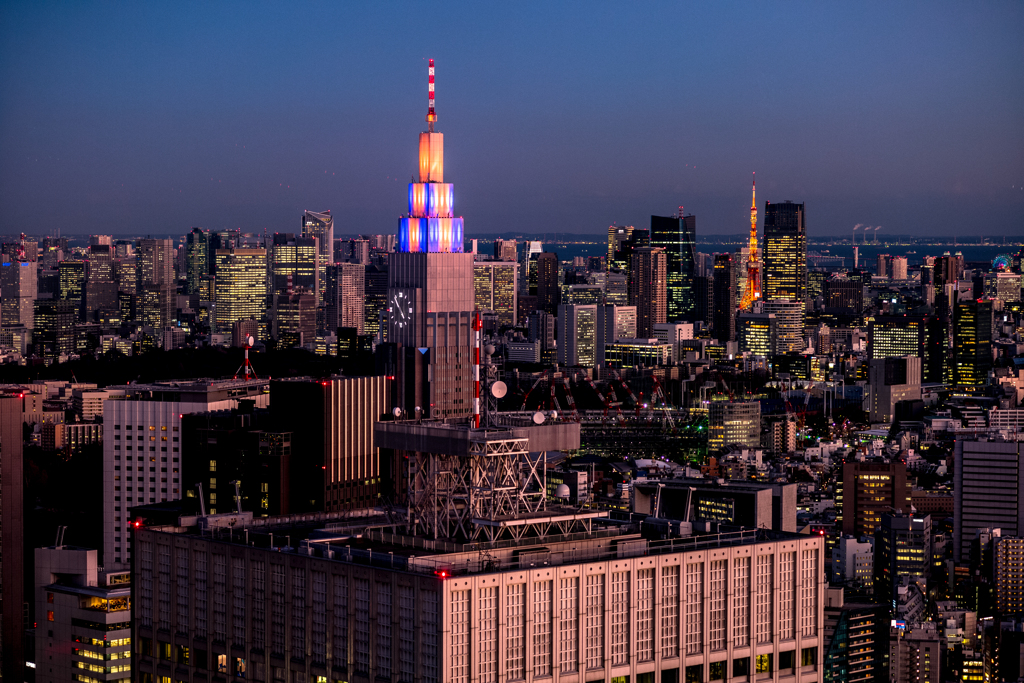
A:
(538, 418)
(554, 415)
(499, 389)
(562, 491)
(489, 349)
(397, 412)
(249, 340)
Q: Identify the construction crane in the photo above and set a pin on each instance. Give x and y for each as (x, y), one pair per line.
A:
(659, 392)
(569, 399)
(527, 396)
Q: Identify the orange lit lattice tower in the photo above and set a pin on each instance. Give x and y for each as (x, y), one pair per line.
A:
(753, 291)
(430, 226)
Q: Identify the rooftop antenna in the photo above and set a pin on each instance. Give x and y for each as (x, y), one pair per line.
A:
(238, 498)
(246, 365)
(431, 116)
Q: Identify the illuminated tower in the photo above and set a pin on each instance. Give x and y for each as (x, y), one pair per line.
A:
(430, 226)
(430, 292)
(753, 290)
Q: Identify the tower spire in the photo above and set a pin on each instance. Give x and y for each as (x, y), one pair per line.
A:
(431, 116)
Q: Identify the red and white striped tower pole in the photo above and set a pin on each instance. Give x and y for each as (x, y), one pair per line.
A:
(431, 116)
(477, 327)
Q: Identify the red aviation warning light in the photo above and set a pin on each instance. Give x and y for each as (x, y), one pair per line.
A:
(431, 116)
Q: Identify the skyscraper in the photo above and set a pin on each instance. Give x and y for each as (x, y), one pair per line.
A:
(647, 288)
(788, 329)
(154, 274)
(12, 548)
(495, 286)
(972, 344)
(54, 333)
(71, 275)
(240, 289)
(734, 422)
(321, 227)
(293, 264)
(677, 235)
(197, 259)
(375, 301)
(100, 287)
(988, 481)
(617, 235)
(577, 335)
(785, 252)
(724, 296)
(910, 335)
(866, 491)
(17, 292)
(430, 291)
(345, 297)
(548, 292)
(505, 250)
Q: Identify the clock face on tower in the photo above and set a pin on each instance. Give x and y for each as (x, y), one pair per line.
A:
(399, 306)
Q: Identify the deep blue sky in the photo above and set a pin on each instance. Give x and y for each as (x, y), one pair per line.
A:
(153, 117)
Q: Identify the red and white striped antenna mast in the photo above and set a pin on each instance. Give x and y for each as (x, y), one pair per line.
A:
(431, 116)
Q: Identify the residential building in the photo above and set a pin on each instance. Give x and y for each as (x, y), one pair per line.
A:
(1008, 574)
(916, 657)
(856, 640)
(853, 562)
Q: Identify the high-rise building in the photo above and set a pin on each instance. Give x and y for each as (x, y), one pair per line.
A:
(987, 483)
(577, 335)
(788, 332)
(17, 292)
(843, 294)
(648, 267)
(898, 267)
(100, 287)
(54, 333)
(1008, 571)
(891, 380)
(495, 288)
(903, 547)
(857, 640)
(293, 265)
(617, 235)
(71, 590)
(197, 259)
(734, 423)
(352, 251)
(785, 252)
(430, 292)
(294, 320)
(703, 298)
(505, 250)
(755, 332)
(972, 345)
(155, 282)
(72, 285)
(12, 544)
(677, 235)
(345, 298)
(142, 448)
(240, 289)
(320, 226)
(375, 301)
(548, 292)
(909, 335)
(336, 464)
(866, 491)
(724, 296)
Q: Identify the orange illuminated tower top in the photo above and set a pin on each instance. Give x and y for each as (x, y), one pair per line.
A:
(753, 291)
(431, 143)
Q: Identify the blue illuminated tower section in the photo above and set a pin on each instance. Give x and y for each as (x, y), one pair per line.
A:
(430, 226)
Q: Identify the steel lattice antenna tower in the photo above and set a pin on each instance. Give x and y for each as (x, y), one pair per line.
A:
(753, 292)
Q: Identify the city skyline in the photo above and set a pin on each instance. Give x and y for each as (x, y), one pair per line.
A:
(888, 127)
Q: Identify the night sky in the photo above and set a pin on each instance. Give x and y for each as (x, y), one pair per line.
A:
(136, 118)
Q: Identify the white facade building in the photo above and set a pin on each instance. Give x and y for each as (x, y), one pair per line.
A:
(142, 447)
(853, 561)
